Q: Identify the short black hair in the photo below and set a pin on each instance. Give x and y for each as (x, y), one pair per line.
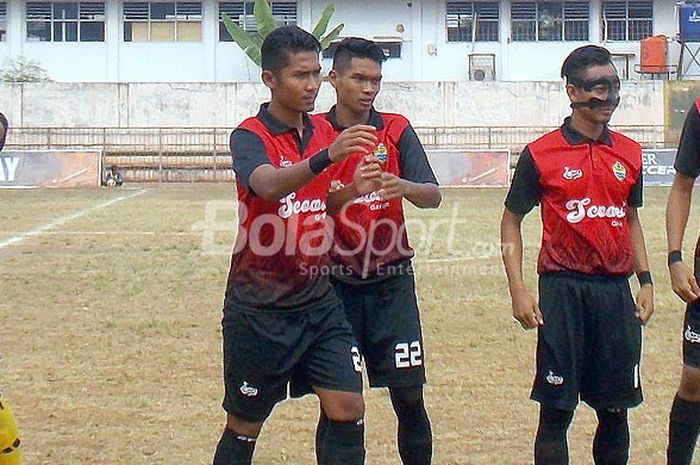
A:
(5, 126)
(583, 58)
(356, 47)
(281, 42)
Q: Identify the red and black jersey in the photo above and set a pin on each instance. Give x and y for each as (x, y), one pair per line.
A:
(688, 155)
(585, 189)
(370, 233)
(278, 244)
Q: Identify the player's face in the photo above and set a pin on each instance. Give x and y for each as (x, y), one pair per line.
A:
(358, 85)
(296, 85)
(603, 90)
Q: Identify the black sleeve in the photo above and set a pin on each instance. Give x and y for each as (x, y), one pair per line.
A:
(413, 162)
(248, 152)
(525, 190)
(634, 199)
(688, 156)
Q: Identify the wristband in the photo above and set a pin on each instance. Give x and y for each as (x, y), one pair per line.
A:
(644, 278)
(320, 162)
(674, 256)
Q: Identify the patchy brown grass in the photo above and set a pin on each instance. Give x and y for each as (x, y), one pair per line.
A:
(110, 336)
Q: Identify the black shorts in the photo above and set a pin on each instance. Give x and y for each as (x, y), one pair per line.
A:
(385, 319)
(265, 351)
(691, 329)
(590, 344)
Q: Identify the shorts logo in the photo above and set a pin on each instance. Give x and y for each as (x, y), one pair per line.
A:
(570, 174)
(554, 380)
(356, 359)
(691, 336)
(248, 390)
(619, 171)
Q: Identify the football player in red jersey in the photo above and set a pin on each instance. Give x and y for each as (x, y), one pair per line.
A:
(282, 322)
(587, 180)
(371, 259)
(684, 421)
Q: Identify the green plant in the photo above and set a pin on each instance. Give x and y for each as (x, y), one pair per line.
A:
(251, 42)
(22, 69)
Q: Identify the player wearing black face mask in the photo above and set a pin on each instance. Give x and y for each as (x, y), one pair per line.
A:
(587, 180)
(605, 83)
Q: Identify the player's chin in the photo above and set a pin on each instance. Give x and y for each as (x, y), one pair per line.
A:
(605, 113)
(307, 105)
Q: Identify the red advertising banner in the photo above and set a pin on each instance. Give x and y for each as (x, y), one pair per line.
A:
(471, 168)
(50, 168)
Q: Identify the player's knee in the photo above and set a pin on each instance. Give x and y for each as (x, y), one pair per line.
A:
(243, 427)
(345, 408)
(554, 422)
(689, 388)
(408, 403)
(614, 417)
(408, 397)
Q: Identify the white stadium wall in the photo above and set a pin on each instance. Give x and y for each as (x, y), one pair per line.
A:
(418, 25)
(438, 104)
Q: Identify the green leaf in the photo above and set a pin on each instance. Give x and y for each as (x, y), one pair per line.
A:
(331, 36)
(245, 41)
(322, 24)
(263, 17)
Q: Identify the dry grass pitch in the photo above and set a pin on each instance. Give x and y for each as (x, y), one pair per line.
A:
(110, 334)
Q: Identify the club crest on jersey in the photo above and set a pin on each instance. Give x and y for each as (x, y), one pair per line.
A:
(571, 174)
(380, 152)
(619, 171)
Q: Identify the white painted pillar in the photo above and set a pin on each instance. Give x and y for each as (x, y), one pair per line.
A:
(113, 38)
(210, 36)
(16, 35)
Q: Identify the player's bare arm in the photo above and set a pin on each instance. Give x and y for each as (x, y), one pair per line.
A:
(645, 297)
(683, 280)
(525, 308)
(271, 183)
(422, 195)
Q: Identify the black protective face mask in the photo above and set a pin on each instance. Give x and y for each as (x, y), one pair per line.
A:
(613, 86)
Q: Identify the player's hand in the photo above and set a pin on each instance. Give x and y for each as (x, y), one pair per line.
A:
(526, 310)
(645, 303)
(683, 282)
(335, 186)
(367, 176)
(392, 187)
(355, 139)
